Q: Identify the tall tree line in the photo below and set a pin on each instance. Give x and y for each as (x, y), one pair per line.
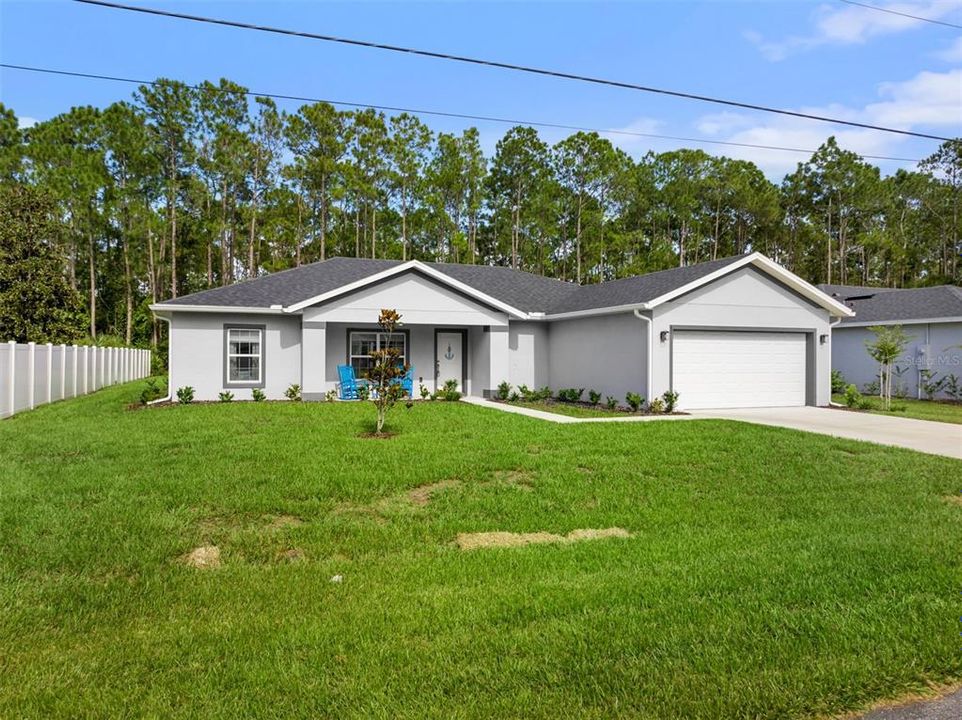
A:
(180, 189)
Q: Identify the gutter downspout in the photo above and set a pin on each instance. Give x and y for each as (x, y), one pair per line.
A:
(169, 394)
(650, 361)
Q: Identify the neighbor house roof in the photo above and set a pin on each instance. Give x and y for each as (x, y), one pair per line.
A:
(519, 293)
(892, 305)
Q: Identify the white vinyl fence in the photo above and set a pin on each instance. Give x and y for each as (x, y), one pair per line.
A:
(32, 374)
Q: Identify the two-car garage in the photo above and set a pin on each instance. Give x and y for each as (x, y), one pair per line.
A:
(731, 368)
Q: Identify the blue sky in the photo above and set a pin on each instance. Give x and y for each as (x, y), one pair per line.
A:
(827, 57)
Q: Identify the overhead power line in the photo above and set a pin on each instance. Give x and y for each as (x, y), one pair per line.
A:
(506, 66)
(442, 113)
(890, 11)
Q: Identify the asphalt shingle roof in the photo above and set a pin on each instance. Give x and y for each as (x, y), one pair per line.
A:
(891, 304)
(525, 291)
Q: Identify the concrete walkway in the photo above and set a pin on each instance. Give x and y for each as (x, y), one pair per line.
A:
(936, 438)
(567, 419)
(947, 707)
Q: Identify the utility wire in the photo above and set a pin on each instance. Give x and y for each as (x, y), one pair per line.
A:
(505, 66)
(890, 11)
(441, 113)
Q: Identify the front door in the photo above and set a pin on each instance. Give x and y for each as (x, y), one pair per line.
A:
(449, 358)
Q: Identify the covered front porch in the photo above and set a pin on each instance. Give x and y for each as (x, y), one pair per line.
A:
(475, 356)
(444, 335)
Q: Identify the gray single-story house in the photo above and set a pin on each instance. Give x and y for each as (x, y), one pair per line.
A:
(931, 317)
(736, 332)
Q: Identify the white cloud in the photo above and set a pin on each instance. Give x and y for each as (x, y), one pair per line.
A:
(928, 99)
(26, 122)
(953, 53)
(838, 24)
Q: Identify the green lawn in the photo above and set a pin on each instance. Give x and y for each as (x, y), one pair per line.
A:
(919, 409)
(771, 573)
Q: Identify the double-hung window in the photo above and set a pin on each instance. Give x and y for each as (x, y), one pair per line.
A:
(245, 356)
(363, 343)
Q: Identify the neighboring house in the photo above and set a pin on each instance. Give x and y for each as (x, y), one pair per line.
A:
(741, 331)
(931, 317)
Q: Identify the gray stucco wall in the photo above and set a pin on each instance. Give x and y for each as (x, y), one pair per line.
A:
(607, 353)
(744, 299)
(528, 354)
(197, 353)
(944, 355)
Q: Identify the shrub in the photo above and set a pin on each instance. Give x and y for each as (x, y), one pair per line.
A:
(151, 392)
(953, 386)
(504, 390)
(293, 392)
(425, 393)
(930, 386)
(525, 392)
(225, 396)
(865, 403)
(543, 394)
(670, 398)
(258, 395)
(330, 395)
(514, 397)
(611, 403)
(635, 401)
(363, 391)
(570, 394)
(450, 391)
(838, 382)
(656, 406)
(852, 396)
(594, 396)
(185, 395)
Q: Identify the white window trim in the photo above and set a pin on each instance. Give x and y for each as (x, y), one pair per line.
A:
(260, 355)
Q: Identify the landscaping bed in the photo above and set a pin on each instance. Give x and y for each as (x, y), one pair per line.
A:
(260, 560)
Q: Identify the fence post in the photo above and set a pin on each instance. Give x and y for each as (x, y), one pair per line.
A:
(31, 372)
(76, 353)
(12, 383)
(63, 370)
(49, 373)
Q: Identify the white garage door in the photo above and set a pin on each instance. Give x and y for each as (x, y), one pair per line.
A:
(718, 369)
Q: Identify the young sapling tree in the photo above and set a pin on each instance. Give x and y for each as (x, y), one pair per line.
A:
(386, 371)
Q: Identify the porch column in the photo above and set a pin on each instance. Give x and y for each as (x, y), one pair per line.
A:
(498, 356)
(313, 360)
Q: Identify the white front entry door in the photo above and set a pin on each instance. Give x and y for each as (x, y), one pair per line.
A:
(718, 369)
(449, 358)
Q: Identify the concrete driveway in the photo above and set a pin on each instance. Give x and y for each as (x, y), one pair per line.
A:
(923, 435)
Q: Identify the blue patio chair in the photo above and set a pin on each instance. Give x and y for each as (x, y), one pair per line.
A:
(348, 382)
(407, 382)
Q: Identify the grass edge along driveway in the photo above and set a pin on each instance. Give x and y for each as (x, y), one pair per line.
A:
(769, 573)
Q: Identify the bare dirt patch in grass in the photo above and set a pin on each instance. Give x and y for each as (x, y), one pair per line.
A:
(473, 541)
(423, 494)
(516, 477)
(205, 557)
(954, 499)
(291, 555)
(279, 522)
(418, 497)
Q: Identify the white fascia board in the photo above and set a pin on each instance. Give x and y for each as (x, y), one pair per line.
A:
(593, 311)
(918, 321)
(164, 308)
(403, 268)
(771, 268)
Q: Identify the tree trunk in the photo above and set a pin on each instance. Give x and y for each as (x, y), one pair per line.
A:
(93, 286)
